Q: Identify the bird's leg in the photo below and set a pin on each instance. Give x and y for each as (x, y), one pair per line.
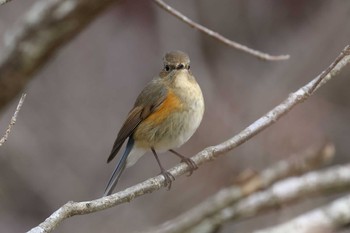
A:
(167, 175)
(192, 165)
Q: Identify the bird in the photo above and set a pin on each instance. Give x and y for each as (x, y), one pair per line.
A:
(165, 115)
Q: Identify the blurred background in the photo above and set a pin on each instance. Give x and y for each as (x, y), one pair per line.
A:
(75, 106)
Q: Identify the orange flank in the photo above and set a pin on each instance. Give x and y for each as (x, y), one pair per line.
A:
(170, 104)
(155, 127)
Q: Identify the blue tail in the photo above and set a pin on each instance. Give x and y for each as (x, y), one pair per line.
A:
(119, 168)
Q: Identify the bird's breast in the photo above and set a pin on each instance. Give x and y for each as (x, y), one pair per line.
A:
(175, 120)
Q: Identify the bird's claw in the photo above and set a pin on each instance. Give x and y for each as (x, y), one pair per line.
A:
(168, 179)
(191, 164)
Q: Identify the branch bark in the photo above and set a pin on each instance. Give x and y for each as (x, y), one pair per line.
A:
(13, 120)
(79, 208)
(47, 26)
(307, 160)
(217, 36)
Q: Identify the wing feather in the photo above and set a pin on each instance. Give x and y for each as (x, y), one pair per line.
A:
(146, 103)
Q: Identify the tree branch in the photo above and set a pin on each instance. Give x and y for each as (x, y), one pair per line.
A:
(79, 208)
(332, 180)
(217, 36)
(307, 160)
(2, 2)
(13, 120)
(47, 26)
(326, 219)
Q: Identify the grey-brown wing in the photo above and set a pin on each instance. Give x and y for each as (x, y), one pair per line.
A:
(146, 103)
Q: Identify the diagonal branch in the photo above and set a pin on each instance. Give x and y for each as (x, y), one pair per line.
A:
(47, 26)
(326, 219)
(217, 36)
(322, 78)
(13, 120)
(330, 181)
(307, 160)
(79, 208)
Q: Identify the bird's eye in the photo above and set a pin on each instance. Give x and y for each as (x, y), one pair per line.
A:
(167, 68)
(180, 66)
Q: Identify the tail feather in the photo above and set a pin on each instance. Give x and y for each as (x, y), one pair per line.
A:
(119, 168)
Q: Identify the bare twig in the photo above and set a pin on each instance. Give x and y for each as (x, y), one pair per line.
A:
(217, 36)
(326, 219)
(332, 180)
(310, 159)
(47, 26)
(2, 2)
(345, 52)
(13, 120)
(79, 208)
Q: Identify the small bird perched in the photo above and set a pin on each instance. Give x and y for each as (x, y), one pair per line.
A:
(165, 115)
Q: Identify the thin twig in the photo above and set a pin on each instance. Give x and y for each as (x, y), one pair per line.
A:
(217, 36)
(79, 208)
(346, 51)
(13, 120)
(326, 219)
(307, 160)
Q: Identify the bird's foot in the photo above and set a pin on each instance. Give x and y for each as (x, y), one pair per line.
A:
(190, 163)
(168, 179)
